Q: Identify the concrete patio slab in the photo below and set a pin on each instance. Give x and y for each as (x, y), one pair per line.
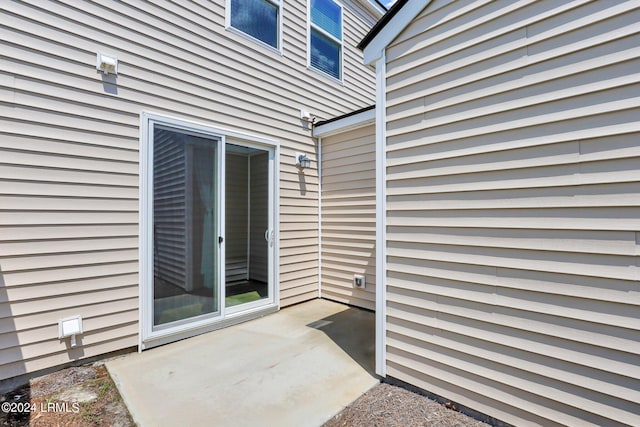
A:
(297, 367)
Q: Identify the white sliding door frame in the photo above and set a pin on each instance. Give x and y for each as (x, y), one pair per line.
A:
(148, 337)
(272, 225)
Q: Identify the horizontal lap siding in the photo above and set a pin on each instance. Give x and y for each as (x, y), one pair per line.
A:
(348, 216)
(68, 245)
(513, 198)
(69, 152)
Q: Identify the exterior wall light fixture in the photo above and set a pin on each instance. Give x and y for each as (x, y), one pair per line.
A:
(302, 161)
(107, 64)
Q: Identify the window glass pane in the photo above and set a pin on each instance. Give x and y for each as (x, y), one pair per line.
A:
(325, 54)
(258, 18)
(326, 15)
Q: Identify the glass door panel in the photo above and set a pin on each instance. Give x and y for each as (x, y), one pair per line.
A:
(185, 235)
(247, 227)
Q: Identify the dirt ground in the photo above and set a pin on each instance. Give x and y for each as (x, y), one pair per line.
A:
(86, 396)
(387, 405)
(79, 396)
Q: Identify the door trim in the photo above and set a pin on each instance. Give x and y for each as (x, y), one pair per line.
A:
(147, 337)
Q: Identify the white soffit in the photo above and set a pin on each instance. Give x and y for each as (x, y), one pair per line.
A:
(344, 124)
(392, 29)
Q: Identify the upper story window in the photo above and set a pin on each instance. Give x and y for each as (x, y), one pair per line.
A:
(325, 37)
(259, 19)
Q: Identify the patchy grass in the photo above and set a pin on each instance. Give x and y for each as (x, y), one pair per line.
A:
(79, 396)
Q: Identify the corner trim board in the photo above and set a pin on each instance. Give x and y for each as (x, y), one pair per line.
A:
(319, 159)
(381, 210)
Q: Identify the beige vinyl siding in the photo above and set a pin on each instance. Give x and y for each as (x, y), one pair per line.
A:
(513, 206)
(69, 151)
(349, 216)
(68, 245)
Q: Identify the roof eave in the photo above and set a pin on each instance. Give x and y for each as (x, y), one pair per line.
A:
(389, 27)
(346, 122)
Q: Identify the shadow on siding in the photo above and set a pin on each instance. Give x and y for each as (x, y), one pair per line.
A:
(11, 362)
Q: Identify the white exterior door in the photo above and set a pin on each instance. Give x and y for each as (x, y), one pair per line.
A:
(208, 229)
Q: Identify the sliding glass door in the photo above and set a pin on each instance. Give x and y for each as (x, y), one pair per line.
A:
(185, 225)
(207, 229)
(247, 226)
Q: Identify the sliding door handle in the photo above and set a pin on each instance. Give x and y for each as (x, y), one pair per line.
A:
(266, 235)
(220, 240)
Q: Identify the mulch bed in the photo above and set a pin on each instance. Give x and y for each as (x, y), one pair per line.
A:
(388, 405)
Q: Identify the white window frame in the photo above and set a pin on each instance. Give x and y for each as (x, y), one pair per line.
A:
(149, 338)
(279, 4)
(310, 26)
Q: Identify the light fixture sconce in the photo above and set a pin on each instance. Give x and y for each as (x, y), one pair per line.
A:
(302, 161)
(106, 64)
(305, 115)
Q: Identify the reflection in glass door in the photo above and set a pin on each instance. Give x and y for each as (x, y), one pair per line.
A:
(247, 231)
(185, 235)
